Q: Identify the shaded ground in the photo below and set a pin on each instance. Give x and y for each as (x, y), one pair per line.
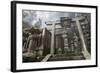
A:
(66, 57)
(56, 57)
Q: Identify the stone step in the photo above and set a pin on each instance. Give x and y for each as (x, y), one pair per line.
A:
(63, 58)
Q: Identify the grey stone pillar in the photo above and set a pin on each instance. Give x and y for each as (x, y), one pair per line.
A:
(85, 52)
(30, 45)
(52, 38)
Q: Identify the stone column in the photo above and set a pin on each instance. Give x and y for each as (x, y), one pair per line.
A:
(52, 38)
(85, 52)
(30, 44)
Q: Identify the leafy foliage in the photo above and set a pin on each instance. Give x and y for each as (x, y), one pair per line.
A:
(34, 31)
